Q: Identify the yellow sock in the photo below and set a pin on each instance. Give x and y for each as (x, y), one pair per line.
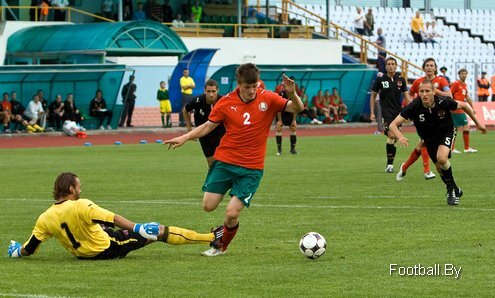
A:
(30, 128)
(178, 236)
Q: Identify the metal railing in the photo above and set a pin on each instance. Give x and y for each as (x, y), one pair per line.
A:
(36, 9)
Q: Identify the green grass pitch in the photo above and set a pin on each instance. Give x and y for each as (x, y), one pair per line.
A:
(336, 186)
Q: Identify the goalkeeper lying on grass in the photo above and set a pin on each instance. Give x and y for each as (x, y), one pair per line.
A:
(85, 229)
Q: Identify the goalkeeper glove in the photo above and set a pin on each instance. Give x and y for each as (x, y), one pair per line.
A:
(148, 230)
(15, 249)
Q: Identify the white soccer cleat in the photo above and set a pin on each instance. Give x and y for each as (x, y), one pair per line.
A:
(470, 150)
(212, 252)
(389, 169)
(456, 151)
(400, 174)
(430, 175)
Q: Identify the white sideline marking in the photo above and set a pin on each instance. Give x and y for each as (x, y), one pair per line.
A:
(198, 202)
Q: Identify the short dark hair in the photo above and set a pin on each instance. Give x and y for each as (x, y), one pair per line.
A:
(391, 58)
(247, 73)
(211, 82)
(462, 70)
(5, 93)
(61, 187)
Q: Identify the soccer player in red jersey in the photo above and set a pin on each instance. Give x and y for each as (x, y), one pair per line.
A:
(441, 88)
(460, 93)
(247, 114)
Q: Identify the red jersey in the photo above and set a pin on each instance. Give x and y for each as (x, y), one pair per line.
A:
(439, 83)
(247, 126)
(459, 91)
(6, 106)
(318, 101)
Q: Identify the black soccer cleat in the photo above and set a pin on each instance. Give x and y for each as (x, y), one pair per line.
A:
(459, 193)
(452, 198)
(217, 242)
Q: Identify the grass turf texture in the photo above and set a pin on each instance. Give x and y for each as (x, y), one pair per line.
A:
(336, 186)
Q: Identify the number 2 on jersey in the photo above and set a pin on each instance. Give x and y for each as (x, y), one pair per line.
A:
(73, 241)
(247, 116)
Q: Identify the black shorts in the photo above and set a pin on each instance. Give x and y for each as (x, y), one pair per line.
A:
(386, 125)
(287, 118)
(122, 242)
(446, 139)
(209, 144)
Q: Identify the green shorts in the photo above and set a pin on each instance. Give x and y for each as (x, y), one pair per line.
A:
(242, 182)
(459, 119)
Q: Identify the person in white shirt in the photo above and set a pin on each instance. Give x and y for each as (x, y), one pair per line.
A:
(359, 21)
(177, 22)
(34, 111)
(60, 12)
(107, 9)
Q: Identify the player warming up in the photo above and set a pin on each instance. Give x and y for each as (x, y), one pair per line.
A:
(87, 230)
(432, 118)
(247, 114)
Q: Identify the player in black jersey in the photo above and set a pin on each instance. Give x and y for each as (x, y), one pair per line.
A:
(201, 106)
(390, 87)
(433, 121)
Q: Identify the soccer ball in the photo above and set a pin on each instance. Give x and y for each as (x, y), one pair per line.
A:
(312, 245)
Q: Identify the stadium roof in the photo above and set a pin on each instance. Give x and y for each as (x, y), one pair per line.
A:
(141, 38)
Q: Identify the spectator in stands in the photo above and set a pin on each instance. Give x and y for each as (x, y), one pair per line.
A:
(186, 85)
(177, 22)
(60, 12)
(168, 13)
(5, 112)
(34, 112)
(432, 33)
(286, 119)
(107, 9)
(492, 80)
(139, 14)
(417, 27)
(318, 102)
(369, 23)
(44, 10)
(155, 11)
(129, 101)
(191, 23)
(71, 112)
(308, 111)
(128, 6)
(56, 112)
(197, 11)
(337, 102)
(483, 87)
(252, 20)
(359, 20)
(98, 109)
(17, 120)
(380, 61)
(33, 16)
(443, 73)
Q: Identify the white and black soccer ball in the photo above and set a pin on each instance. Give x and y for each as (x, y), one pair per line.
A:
(312, 245)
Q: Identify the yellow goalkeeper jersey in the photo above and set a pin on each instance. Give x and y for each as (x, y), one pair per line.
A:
(76, 225)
